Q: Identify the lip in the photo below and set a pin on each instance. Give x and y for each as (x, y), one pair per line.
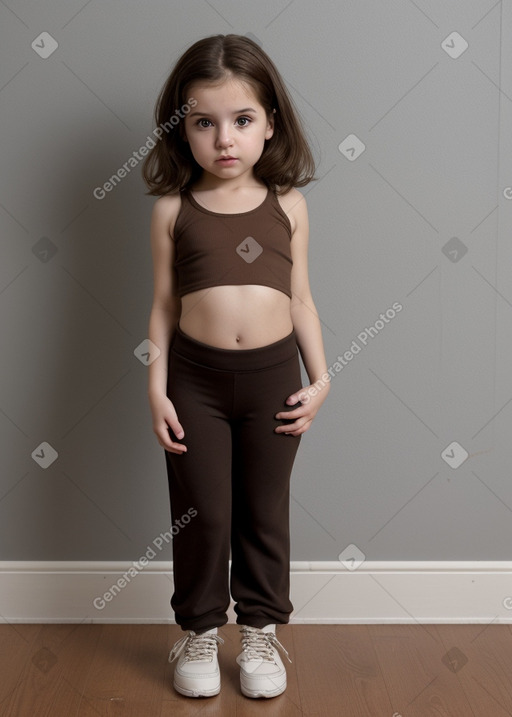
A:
(226, 159)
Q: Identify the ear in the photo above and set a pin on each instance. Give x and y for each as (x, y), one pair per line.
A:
(270, 126)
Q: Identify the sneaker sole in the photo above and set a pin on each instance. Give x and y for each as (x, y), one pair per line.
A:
(197, 693)
(267, 694)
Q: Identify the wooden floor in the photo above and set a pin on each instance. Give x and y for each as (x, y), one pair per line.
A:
(339, 670)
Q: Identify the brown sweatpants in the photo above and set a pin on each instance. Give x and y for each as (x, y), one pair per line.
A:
(234, 480)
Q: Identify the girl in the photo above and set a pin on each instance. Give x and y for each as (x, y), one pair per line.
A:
(229, 236)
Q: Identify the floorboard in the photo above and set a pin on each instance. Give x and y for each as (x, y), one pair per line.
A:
(337, 671)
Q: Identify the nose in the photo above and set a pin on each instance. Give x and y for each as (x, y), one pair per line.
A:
(224, 137)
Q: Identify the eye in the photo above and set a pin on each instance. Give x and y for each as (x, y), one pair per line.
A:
(203, 122)
(244, 121)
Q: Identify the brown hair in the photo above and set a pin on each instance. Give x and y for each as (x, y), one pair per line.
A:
(286, 160)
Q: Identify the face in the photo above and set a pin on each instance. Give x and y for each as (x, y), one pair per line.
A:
(227, 129)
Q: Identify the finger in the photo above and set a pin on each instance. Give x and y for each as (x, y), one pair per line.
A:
(166, 441)
(294, 411)
(302, 429)
(175, 449)
(293, 414)
(176, 427)
(288, 428)
(169, 445)
(284, 430)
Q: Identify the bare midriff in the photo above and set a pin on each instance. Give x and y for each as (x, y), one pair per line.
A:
(236, 317)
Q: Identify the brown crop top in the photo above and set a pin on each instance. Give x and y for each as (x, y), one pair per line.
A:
(213, 249)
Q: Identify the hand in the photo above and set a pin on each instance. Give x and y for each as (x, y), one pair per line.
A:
(303, 415)
(165, 417)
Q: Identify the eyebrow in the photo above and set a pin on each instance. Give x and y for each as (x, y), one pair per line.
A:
(237, 112)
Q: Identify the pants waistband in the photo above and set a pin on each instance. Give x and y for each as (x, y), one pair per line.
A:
(234, 359)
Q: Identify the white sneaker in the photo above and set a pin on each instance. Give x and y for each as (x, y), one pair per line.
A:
(197, 671)
(262, 673)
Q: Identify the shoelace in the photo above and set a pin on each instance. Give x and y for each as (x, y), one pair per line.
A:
(258, 645)
(197, 647)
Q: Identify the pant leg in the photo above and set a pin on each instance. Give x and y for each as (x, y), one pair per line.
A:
(200, 479)
(262, 465)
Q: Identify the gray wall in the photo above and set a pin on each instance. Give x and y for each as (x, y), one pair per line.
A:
(389, 225)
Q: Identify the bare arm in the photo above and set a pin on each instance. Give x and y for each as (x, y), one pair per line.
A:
(165, 313)
(305, 322)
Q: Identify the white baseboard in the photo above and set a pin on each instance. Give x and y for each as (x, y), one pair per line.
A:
(321, 592)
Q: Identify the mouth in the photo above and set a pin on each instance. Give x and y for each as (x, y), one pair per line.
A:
(226, 159)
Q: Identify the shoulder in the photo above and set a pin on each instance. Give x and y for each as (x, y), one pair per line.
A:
(294, 205)
(165, 211)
